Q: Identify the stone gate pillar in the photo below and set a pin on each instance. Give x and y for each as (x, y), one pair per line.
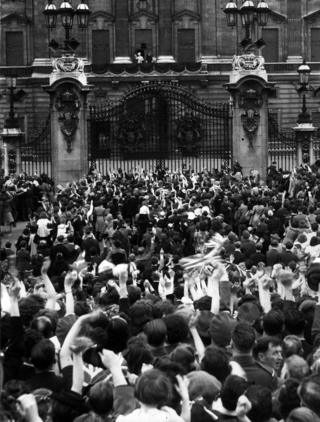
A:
(68, 90)
(250, 90)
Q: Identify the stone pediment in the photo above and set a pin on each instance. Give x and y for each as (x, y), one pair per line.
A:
(15, 17)
(180, 15)
(312, 15)
(143, 14)
(100, 14)
(277, 16)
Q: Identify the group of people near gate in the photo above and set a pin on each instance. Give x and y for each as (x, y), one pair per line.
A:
(163, 296)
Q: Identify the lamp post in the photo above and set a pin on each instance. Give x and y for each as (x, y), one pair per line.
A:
(252, 15)
(67, 13)
(304, 128)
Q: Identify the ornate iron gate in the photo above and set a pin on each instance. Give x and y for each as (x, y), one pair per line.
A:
(159, 124)
(36, 151)
(281, 145)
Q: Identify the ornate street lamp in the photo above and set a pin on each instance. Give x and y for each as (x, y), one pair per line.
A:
(50, 14)
(263, 13)
(66, 13)
(83, 14)
(304, 129)
(304, 73)
(251, 13)
(247, 13)
(231, 10)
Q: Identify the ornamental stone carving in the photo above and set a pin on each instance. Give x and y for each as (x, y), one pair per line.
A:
(68, 63)
(68, 105)
(251, 101)
(248, 62)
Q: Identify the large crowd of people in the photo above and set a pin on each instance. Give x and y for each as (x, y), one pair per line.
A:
(162, 296)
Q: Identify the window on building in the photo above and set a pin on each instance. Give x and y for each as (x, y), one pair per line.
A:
(315, 44)
(271, 50)
(14, 48)
(143, 42)
(100, 48)
(186, 45)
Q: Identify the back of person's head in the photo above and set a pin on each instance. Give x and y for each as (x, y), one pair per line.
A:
(156, 332)
(288, 397)
(314, 241)
(232, 388)
(297, 367)
(100, 397)
(29, 306)
(216, 362)
(118, 334)
(184, 354)
(154, 388)
(137, 354)
(302, 414)
(43, 325)
(177, 328)
(291, 345)
(309, 392)
(294, 321)
(43, 355)
(243, 337)
(261, 401)
(273, 323)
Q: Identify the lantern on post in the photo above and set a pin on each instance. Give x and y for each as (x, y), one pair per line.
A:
(231, 10)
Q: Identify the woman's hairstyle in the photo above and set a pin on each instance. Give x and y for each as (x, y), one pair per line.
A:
(154, 388)
(156, 332)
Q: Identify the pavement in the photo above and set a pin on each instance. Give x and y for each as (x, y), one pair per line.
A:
(7, 236)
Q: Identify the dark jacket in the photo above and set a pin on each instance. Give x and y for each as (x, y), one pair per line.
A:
(256, 373)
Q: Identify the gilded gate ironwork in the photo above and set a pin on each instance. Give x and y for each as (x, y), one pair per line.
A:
(159, 124)
(281, 145)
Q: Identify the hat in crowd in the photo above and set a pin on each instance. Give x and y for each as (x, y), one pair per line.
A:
(313, 275)
(202, 384)
(248, 312)
(221, 327)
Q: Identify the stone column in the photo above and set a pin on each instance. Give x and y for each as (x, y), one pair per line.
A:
(250, 91)
(165, 32)
(122, 53)
(209, 30)
(69, 146)
(68, 92)
(295, 30)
